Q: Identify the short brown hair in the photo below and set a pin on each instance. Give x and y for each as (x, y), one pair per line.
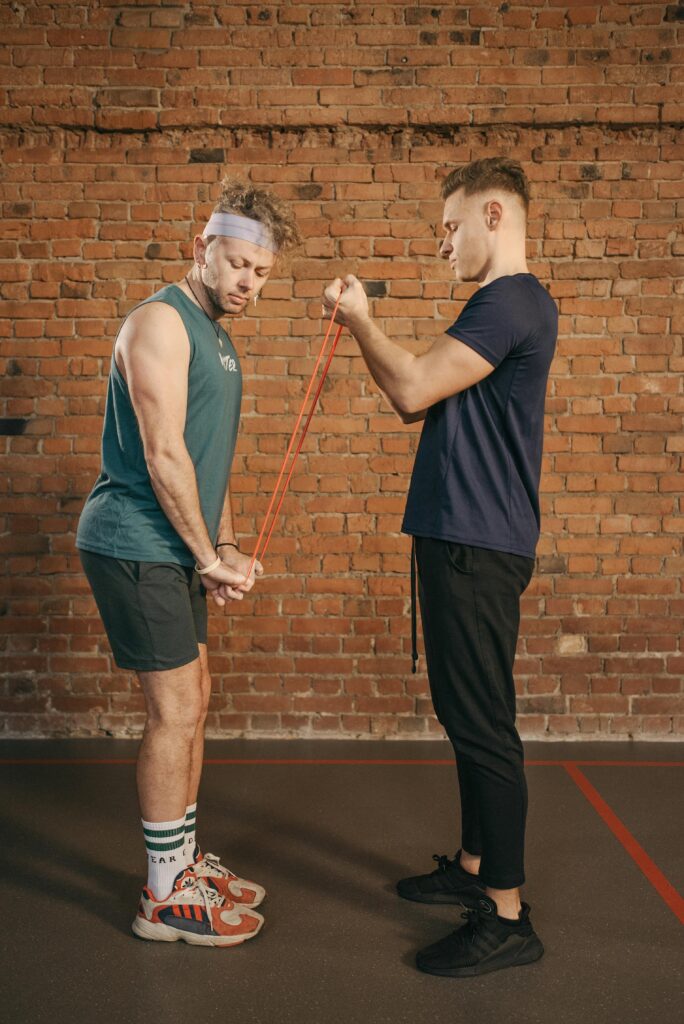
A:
(492, 172)
(259, 204)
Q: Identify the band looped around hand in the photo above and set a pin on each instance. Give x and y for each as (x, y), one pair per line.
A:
(208, 568)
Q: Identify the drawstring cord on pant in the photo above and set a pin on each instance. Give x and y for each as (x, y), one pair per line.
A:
(414, 624)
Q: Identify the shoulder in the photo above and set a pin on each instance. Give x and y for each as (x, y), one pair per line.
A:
(515, 296)
(530, 287)
(154, 311)
(153, 323)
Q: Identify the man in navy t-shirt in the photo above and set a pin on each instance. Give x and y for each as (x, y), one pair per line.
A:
(473, 514)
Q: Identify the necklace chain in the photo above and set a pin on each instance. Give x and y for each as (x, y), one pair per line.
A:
(211, 320)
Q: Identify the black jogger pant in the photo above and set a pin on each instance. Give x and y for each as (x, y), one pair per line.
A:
(470, 607)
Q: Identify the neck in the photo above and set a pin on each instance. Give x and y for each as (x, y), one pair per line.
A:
(193, 286)
(513, 262)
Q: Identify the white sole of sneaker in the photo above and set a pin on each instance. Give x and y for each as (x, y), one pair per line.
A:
(145, 929)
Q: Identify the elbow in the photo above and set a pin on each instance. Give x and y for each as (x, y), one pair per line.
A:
(415, 417)
(159, 459)
(407, 405)
(156, 468)
(403, 402)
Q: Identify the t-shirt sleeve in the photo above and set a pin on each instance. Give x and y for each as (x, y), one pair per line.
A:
(487, 325)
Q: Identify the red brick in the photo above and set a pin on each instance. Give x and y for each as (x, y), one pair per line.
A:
(328, 629)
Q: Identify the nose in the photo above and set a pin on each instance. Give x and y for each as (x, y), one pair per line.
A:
(445, 248)
(246, 282)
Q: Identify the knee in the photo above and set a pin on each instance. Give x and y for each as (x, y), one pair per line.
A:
(180, 716)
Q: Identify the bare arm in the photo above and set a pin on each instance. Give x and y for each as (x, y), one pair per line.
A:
(226, 533)
(153, 353)
(227, 545)
(405, 417)
(412, 383)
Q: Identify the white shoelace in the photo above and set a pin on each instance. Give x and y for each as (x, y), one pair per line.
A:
(210, 897)
(217, 866)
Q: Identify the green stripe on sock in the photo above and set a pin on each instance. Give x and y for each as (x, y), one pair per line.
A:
(164, 847)
(163, 833)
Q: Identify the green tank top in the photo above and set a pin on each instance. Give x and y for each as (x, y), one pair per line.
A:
(122, 516)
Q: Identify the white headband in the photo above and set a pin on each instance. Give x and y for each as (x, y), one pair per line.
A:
(234, 226)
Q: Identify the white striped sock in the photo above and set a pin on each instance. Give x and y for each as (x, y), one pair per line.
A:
(190, 827)
(164, 841)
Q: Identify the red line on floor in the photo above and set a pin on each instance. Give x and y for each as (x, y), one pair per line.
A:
(624, 836)
(335, 761)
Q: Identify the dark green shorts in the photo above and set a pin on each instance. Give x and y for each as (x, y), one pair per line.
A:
(155, 613)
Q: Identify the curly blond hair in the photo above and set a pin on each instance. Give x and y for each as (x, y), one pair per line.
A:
(259, 204)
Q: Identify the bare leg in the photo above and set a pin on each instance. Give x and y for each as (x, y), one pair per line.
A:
(198, 741)
(507, 902)
(470, 862)
(174, 707)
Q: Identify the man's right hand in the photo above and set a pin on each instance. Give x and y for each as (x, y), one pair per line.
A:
(223, 582)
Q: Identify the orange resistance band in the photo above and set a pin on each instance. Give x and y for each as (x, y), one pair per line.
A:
(257, 553)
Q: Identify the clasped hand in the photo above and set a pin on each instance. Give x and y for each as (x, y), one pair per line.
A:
(229, 581)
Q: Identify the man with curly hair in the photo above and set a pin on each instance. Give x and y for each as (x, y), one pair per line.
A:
(156, 535)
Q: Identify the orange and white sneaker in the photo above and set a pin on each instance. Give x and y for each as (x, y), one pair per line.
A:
(194, 913)
(237, 890)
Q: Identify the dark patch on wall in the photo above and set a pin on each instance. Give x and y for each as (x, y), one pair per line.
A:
(375, 289)
(13, 426)
(675, 12)
(536, 57)
(74, 290)
(551, 563)
(199, 18)
(466, 38)
(18, 209)
(20, 686)
(661, 56)
(310, 191)
(263, 15)
(593, 56)
(207, 156)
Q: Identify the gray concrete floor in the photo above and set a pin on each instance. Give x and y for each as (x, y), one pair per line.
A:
(328, 841)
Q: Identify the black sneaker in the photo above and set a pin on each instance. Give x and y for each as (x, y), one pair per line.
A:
(448, 883)
(485, 943)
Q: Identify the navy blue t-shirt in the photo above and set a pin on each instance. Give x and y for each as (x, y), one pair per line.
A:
(476, 475)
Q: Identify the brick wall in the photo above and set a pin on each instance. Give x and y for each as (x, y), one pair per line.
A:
(118, 122)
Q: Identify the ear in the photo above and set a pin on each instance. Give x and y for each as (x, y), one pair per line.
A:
(199, 250)
(493, 214)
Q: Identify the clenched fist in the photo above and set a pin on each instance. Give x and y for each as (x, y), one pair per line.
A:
(353, 307)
